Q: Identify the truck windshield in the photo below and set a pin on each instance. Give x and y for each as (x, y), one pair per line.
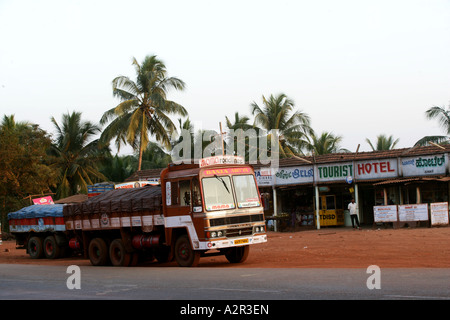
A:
(246, 193)
(217, 192)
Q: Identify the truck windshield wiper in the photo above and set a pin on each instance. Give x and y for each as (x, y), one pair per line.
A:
(223, 182)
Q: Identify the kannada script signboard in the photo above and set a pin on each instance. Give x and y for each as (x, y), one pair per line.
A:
(294, 175)
(424, 165)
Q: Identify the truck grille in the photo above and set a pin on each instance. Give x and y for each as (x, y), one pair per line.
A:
(239, 232)
(236, 220)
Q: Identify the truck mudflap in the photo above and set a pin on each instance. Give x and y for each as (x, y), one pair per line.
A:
(228, 243)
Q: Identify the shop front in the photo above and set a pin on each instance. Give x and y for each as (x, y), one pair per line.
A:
(317, 194)
(332, 207)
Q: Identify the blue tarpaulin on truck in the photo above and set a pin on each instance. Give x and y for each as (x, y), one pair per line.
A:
(37, 218)
(38, 211)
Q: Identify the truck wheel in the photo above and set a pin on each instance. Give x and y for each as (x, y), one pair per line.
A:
(118, 255)
(184, 254)
(35, 248)
(51, 248)
(237, 254)
(98, 252)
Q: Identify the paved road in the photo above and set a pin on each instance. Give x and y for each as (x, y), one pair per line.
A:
(50, 282)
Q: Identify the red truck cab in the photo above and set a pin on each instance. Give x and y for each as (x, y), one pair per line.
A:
(216, 206)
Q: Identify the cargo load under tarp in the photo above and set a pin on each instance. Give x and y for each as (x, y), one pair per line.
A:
(117, 208)
(37, 218)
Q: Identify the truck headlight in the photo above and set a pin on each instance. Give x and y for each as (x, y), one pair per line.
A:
(216, 234)
(259, 229)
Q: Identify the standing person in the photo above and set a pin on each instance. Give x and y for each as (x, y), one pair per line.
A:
(353, 208)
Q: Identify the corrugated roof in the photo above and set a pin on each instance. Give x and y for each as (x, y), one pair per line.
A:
(73, 199)
(144, 174)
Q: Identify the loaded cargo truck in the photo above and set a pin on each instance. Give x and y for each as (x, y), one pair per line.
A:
(210, 208)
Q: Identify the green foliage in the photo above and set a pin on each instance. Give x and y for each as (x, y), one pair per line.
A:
(23, 164)
(144, 109)
(76, 155)
(383, 143)
(278, 112)
(326, 143)
(443, 117)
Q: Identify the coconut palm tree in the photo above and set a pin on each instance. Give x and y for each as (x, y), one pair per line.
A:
(326, 143)
(277, 112)
(118, 168)
(231, 140)
(143, 110)
(75, 155)
(10, 123)
(383, 143)
(240, 122)
(443, 117)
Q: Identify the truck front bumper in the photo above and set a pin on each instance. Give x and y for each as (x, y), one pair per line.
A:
(227, 243)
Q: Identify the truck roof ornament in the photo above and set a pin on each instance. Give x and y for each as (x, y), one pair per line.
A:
(216, 160)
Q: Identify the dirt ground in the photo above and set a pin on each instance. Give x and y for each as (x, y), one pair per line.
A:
(324, 248)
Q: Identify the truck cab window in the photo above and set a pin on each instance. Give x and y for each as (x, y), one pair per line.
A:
(196, 195)
(185, 192)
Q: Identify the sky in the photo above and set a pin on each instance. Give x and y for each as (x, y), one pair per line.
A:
(358, 68)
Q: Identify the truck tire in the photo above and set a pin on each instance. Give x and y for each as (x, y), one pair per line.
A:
(118, 255)
(184, 254)
(51, 248)
(98, 252)
(237, 254)
(35, 248)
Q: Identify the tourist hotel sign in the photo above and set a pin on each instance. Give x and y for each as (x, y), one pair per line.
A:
(376, 169)
(354, 170)
(334, 172)
(362, 170)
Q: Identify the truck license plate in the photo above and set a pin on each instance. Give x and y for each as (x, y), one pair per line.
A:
(241, 241)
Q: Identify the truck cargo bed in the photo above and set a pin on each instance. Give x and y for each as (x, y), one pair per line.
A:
(140, 207)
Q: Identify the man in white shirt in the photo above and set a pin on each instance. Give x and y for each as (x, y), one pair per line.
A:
(353, 208)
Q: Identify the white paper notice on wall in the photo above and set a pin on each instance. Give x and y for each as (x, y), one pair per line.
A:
(385, 213)
(413, 212)
(439, 213)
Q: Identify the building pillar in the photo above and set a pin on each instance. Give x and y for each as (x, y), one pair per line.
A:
(418, 198)
(275, 213)
(317, 208)
(357, 202)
